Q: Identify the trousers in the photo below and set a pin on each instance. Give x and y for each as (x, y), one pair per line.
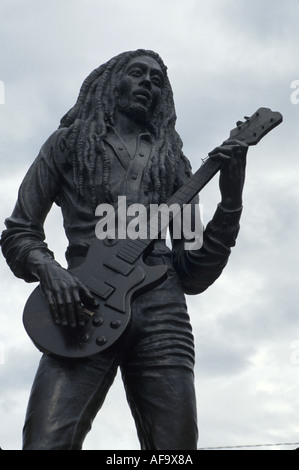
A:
(156, 359)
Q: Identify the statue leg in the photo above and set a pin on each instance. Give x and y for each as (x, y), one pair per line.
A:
(163, 404)
(157, 368)
(64, 400)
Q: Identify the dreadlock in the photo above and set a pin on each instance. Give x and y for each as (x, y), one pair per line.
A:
(87, 126)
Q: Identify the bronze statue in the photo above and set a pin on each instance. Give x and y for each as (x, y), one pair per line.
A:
(119, 139)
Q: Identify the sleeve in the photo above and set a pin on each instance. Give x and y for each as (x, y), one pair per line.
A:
(24, 228)
(199, 268)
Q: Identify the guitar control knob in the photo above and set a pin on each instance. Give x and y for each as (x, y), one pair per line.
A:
(101, 340)
(84, 338)
(115, 324)
(97, 321)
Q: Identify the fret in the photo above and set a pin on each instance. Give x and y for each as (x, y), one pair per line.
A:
(198, 181)
(133, 249)
(141, 242)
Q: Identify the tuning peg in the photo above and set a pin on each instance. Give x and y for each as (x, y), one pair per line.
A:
(239, 123)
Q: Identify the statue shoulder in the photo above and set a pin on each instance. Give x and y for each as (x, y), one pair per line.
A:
(58, 140)
(56, 148)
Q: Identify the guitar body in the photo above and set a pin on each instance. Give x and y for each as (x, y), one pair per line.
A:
(114, 284)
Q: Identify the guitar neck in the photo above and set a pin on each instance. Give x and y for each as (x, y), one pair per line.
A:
(198, 181)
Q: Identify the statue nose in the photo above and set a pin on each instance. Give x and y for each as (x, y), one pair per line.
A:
(146, 82)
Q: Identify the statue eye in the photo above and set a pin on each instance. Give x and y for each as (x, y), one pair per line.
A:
(136, 72)
(157, 80)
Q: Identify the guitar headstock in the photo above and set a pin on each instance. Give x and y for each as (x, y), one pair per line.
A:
(254, 128)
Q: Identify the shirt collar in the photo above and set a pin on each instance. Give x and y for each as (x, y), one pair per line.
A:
(147, 136)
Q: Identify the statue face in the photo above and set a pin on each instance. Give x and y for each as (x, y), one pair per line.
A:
(139, 89)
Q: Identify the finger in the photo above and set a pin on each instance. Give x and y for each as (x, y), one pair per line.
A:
(87, 297)
(53, 309)
(225, 149)
(241, 143)
(221, 157)
(238, 146)
(60, 305)
(70, 310)
(78, 310)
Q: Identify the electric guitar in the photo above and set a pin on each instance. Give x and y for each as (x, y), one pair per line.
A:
(115, 270)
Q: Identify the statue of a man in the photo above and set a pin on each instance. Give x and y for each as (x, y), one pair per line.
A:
(119, 139)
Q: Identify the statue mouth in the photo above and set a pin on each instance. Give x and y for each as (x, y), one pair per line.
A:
(143, 94)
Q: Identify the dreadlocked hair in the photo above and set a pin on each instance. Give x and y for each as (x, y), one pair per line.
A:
(87, 127)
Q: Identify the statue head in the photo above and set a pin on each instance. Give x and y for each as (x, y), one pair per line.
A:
(115, 86)
(139, 89)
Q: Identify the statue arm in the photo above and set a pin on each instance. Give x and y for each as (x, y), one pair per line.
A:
(199, 268)
(24, 232)
(23, 242)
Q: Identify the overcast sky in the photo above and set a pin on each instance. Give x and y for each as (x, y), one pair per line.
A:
(226, 58)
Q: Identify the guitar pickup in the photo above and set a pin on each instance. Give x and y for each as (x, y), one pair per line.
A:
(99, 287)
(119, 266)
